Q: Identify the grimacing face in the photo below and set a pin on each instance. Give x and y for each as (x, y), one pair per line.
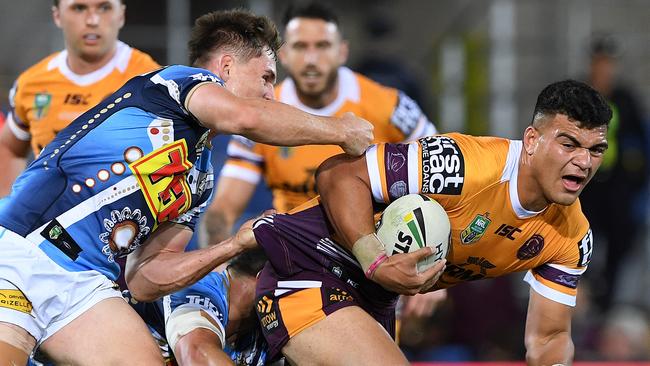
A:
(254, 78)
(312, 54)
(563, 157)
(90, 27)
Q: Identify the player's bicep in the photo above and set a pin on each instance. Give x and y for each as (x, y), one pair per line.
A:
(193, 334)
(11, 143)
(216, 108)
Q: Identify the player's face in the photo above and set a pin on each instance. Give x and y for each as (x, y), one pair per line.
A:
(312, 55)
(254, 78)
(563, 158)
(90, 27)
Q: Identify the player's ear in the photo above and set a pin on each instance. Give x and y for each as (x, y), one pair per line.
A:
(56, 16)
(531, 134)
(344, 52)
(224, 64)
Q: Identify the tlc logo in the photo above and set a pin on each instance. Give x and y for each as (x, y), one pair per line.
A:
(507, 231)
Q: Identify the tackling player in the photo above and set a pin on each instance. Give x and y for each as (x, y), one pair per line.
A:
(513, 206)
(132, 175)
(49, 95)
(213, 321)
(313, 55)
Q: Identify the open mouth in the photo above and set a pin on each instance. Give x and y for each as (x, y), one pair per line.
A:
(91, 37)
(573, 182)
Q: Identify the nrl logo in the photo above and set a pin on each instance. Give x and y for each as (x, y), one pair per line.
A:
(475, 230)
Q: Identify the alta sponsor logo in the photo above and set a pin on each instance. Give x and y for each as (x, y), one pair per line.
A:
(443, 166)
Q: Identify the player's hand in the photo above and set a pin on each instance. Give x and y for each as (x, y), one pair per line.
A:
(399, 273)
(244, 237)
(423, 305)
(358, 134)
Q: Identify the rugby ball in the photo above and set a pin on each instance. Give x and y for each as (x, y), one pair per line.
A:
(412, 222)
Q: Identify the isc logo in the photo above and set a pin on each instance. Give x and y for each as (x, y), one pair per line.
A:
(76, 99)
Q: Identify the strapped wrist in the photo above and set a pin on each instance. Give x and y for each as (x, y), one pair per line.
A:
(370, 253)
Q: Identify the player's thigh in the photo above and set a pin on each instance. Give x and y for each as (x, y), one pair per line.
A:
(15, 344)
(110, 332)
(348, 336)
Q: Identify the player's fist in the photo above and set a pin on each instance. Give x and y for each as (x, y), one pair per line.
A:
(244, 237)
(358, 134)
(399, 273)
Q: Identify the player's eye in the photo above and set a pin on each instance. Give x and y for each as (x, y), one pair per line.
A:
(78, 8)
(104, 7)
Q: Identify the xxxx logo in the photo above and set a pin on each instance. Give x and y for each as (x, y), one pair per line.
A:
(264, 305)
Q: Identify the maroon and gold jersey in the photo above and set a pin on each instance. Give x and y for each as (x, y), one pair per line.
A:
(48, 96)
(475, 180)
(289, 171)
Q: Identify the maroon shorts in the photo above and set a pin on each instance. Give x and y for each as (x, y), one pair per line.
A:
(308, 277)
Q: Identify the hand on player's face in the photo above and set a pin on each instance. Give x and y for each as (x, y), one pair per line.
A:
(399, 273)
(359, 134)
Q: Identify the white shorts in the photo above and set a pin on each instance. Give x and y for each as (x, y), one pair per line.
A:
(37, 294)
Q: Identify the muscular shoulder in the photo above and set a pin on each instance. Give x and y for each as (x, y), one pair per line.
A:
(486, 159)
(570, 234)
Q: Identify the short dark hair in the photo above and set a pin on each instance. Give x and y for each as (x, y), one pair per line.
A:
(248, 263)
(576, 100)
(311, 10)
(242, 32)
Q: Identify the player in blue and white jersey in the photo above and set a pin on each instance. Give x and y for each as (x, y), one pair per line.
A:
(132, 175)
(213, 321)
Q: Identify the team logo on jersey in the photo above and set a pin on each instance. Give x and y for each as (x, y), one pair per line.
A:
(443, 166)
(162, 178)
(42, 103)
(475, 230)
(15, 299)
(398, 189)
(531, 248)
(123, 233)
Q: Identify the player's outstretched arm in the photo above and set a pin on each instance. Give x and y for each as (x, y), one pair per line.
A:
(276, 123)
(13, 152)
(200, 347)
(548, 332)
(230, 199)
(344, 186)
(162, 266)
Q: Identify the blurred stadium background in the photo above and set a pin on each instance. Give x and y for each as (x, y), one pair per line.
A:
(475, 66)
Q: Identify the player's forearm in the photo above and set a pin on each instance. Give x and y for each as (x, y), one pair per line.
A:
(555, 349)
(167, 272)
(279, 124)
(346, 196)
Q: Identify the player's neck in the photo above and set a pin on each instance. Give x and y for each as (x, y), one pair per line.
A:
(81, 66)
(528, 189)
(321, 100)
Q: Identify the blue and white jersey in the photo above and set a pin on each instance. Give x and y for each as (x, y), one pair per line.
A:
(116, 173)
